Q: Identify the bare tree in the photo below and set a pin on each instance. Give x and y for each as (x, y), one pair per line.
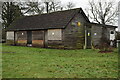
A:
(10, 12)
(102, 12)
(46, 5)
(32, 7)
(70, 5)
(55, 5)
(52, 5)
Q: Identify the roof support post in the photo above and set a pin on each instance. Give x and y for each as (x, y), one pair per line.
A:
(85, 46)
(14, 37)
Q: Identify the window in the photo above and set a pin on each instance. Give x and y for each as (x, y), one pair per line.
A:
(95, 34)
(54, 34)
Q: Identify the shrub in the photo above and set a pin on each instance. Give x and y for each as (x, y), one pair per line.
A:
(104, 45)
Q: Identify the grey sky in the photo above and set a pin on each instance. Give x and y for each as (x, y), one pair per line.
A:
(78, 3)
(84, 3)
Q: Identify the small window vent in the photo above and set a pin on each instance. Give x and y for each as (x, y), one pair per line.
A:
(112, 32)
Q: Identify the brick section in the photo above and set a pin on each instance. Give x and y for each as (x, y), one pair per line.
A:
(39, 43)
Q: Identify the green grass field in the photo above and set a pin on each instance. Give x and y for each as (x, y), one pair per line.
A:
(28, 62)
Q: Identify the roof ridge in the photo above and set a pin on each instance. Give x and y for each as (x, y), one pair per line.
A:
(53, 12)
(57, 19)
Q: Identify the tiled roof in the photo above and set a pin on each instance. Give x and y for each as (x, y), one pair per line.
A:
(58, 19)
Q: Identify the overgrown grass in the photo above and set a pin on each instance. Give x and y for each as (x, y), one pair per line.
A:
(28, 62)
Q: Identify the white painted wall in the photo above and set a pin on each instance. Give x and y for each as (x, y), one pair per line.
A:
(112, 36)
(10, 35)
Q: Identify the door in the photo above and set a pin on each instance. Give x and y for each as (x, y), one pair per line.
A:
(29, 37)
(88, 37)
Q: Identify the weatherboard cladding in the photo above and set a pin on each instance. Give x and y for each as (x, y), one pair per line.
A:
(72, 36)
(58, 19)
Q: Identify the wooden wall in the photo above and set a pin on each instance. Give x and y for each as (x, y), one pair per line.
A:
(38, 38)
(97, 34)
(74, 35)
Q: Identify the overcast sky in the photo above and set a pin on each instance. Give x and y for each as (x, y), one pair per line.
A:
(78, 3)
(84, 3)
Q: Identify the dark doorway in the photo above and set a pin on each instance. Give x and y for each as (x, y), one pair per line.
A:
(88, 35)
(29, 37)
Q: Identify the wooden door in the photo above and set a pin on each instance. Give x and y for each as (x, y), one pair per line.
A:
(29, 37)
(88, 35)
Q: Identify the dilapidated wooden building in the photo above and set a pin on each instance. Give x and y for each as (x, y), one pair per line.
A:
(69, 29)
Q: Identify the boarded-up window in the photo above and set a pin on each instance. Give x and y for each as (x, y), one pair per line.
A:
(10, 35)
(21, 37)
(54, 34)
